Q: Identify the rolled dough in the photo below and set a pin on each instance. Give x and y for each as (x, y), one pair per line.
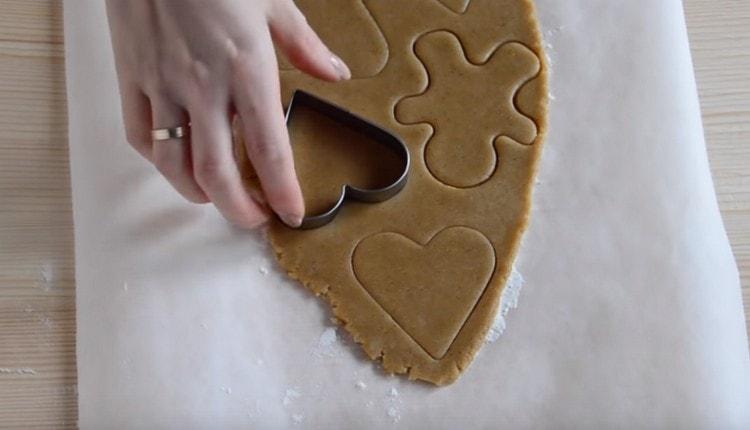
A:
(416, 280)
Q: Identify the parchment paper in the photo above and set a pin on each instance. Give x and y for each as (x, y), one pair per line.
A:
(631, 314)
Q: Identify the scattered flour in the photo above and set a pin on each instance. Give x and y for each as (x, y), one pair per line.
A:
(394, 414)
(327, 343)
(125, 286)
(328, 337)
(226, 390)
(550, 34)
(263, 270)
(361, 385)
(17, 371)
(253, 412)
(298, 418)
(508, 301)
(290, 395)
(393, 402)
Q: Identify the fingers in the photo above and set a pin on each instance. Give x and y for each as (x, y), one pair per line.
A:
(216, 170)
(172, 157)
(136, 112)
(302, 46)
(266, 138)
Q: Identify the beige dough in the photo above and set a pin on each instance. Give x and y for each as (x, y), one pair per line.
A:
(417, 279)
(359, 27)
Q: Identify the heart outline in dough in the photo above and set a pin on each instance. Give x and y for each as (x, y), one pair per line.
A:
(381, 262)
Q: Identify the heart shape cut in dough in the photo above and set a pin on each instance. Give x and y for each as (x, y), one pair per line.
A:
(339, 155)
(429, 290)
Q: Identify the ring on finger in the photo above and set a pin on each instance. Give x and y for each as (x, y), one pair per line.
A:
(159, 134)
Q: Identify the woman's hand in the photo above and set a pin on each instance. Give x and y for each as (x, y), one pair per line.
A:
(201, 62)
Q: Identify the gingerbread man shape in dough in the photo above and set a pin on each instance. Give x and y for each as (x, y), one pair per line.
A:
(461, 151)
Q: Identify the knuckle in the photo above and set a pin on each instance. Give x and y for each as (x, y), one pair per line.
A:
(244, 66)
(181, 79)
(210, 173)
(201, 76)
(199, 72)
(266, 151)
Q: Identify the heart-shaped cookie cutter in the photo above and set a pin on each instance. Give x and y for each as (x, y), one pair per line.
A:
(365, 127)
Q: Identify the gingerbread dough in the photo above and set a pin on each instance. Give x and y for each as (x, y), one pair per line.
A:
(456, 154)
(359, 27)
(416, 280)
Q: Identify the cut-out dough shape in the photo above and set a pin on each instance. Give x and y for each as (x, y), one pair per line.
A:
(468, 120)
(458, 6)
(321, 259)
(354, 20)
(429, 289)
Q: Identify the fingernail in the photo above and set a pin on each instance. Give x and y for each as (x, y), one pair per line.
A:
(293, 221)
(341, 69)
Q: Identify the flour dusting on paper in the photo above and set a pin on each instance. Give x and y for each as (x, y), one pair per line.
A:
(508, 301)
(394, 414)
(290, 395)
(327, 343)
(255, 411)
(394, 402)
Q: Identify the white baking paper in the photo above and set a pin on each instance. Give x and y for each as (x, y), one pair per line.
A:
(631, 316)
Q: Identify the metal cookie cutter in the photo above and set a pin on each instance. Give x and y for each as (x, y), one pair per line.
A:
(367, 128)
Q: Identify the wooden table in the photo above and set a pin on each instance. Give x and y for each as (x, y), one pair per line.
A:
(37, 285)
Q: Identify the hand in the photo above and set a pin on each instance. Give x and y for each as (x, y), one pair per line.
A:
(200, 62)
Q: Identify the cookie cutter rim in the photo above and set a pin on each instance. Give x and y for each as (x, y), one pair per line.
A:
(366, 127)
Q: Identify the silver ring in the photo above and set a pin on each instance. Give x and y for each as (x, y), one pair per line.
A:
(178, 132)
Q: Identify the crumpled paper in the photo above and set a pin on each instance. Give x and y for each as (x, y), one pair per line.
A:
(631, 315)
